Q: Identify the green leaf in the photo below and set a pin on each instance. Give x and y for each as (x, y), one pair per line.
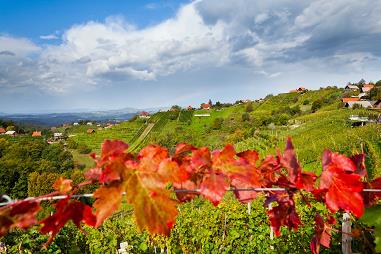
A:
(372, 217)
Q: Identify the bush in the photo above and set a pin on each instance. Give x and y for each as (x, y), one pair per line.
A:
(84, 149)
(249, 107)
(71, 144)
(316, 105)
(306, 102)
(217, 123)
(245, 117)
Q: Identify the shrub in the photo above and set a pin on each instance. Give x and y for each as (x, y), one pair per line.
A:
(84, 149)
(316, 105)
(245, 117)
(217, 123)
(71, 144)
(306, 102)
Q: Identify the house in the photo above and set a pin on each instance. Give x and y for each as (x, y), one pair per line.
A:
(36, 134)
(360, 95)
(205, 106)
(11, 133)
(190, 107)
(58, 135)
(293, 91)
(89, 123)
(301, 89)
(90, 131)
(366, 88)
(144, 114)
(202, 115)
(363, 104)
(75, 124)
(247, 101)
(2, 131)
(350, 99)
(376, 104)
(351, 87)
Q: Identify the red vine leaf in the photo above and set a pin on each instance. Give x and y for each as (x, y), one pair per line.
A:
(342, 187)
(108, 201)
(322, 233)
(154, 209)
(21, 215)
(371, 198)
(66, 210)
(62, 185)
(284, 214)
(213, 188)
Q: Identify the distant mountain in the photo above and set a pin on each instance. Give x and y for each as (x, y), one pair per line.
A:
(55, 119)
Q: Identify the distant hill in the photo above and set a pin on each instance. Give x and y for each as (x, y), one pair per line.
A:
(56, 119)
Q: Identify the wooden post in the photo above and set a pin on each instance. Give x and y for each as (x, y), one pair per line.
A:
(249, 208)
(346, 239)
(271, 229)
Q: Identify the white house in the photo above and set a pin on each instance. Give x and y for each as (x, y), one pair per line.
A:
(10, 133)
(75, 124)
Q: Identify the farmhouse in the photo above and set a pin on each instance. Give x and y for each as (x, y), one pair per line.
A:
(75, 124)
(190, 107)
(2, 131)
(58, 135)
(363, 104)
(351, 87)
(89, 123)
(299, 90)
(350, 99)
(36, 134)
(144, 114)
(205, 106)
(11, 133)
(367, 88)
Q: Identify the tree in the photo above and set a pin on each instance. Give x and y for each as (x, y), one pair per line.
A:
(210, 102)
(245, 117)
(249, 107)
(175, 108)
(217, 123)
(316, 105)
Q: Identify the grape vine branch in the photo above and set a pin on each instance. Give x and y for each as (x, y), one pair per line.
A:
(155, 182)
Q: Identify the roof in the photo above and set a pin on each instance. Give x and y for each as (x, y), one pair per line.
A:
(205, 105)
(90, 131)
(293, 91)
(369, 85)
(58, 134)
(10, 132)
(2, 130)
(364, 104)
(144, 113)
(350, 99)
(36, 134)
(352, 87)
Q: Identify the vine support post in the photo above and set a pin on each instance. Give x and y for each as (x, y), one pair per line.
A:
(271, 229)
(346, 239)
(249, 208)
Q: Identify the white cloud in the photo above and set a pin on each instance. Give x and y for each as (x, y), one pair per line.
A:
(264, 36)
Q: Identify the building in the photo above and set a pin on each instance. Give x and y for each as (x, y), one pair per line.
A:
(90, 131)
(205, 106)
(366, 88)
(75, 124)
(2, 131)
(144, 114)
(190, 107)
(351, 87)
(363, 104)
(350, 99)
(11, 133)
(89, 123)
(58, 136)
(36, 134)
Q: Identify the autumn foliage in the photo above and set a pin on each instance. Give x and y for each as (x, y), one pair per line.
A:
(155, 182)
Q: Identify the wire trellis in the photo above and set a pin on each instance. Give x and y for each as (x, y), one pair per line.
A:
(10, 201)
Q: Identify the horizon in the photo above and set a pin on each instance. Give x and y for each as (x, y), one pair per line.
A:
(118, 54)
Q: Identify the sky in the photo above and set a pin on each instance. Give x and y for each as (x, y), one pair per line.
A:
(75, 55)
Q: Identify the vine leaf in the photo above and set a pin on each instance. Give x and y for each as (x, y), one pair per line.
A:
(284, 214)
(62, 185)
(322, 233)
(66, 210)
(342, 187)
(108, 201)
(371, 198)
(213, 188)
(21, 214)
(154, 209)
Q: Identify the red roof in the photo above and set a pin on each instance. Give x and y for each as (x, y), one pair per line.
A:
(293, 91)
(369, 85)
(350, 99)
(2, 130)
(205, 105)
(36, 134)
(144, 113)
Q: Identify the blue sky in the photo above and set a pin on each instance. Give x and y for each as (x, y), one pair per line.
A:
(95, 54)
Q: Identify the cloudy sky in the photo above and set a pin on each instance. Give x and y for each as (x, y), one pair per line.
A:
(68, 55)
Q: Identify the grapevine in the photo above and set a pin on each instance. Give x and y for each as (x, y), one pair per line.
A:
(151, 182)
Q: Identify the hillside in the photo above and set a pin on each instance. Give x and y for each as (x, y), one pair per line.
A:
(262, 125)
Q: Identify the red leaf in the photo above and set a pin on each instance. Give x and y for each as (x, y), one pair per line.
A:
(66, 210)
(343, 187)
(322, 233)
(182, 149)
(284, 214)
(290, 162)
(170, 171)
(108, 201)
(359, 162)
(213, 188)
(371, 198)
(113, 148)
(62, 185)
(201, 159)
(21, 214)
